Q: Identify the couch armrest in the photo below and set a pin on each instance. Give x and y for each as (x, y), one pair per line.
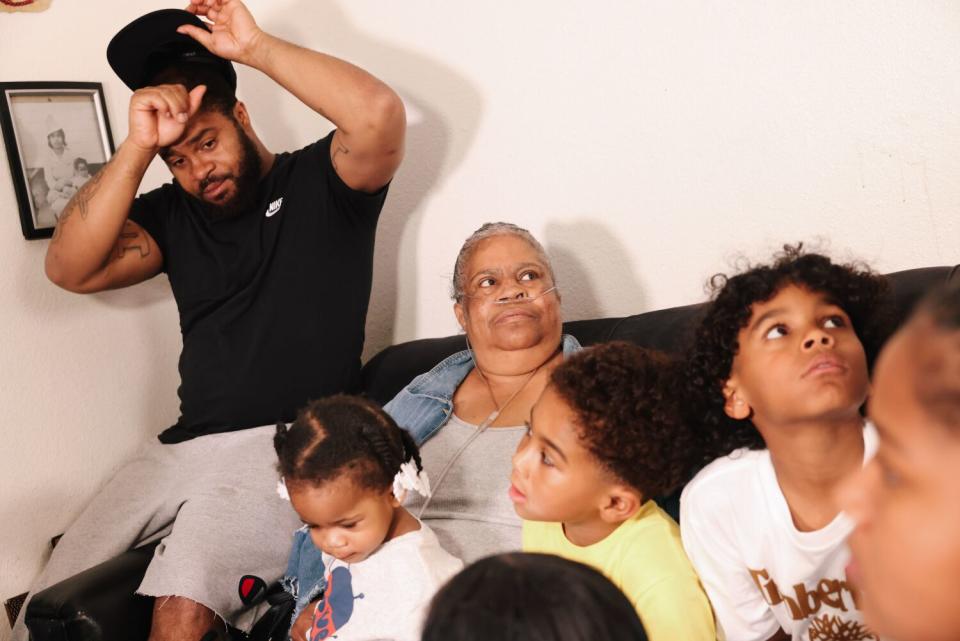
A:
(98, 604)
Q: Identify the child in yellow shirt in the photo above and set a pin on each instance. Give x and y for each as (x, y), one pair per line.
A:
(600, 443)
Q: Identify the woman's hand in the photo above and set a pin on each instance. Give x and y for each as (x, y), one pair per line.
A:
(302, 625)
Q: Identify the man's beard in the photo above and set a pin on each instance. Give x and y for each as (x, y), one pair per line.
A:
(245, 181)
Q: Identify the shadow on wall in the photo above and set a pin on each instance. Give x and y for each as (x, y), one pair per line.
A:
(594, 271)
(443, 113)
(58, 310)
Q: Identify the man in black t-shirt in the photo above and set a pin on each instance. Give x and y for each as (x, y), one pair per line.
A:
(270, 260)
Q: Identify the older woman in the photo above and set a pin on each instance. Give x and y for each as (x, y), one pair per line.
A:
(471, 409)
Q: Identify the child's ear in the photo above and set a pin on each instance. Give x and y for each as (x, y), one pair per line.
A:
(394, 501)
(734, 405)
(622, 503)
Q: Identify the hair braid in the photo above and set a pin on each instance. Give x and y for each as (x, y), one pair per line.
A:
(410, 449)
(340, 435)
(280, 438)
(386, 452)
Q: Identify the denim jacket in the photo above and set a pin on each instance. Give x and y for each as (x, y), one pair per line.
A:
(305, 578)
(425, 405)
(422, 408)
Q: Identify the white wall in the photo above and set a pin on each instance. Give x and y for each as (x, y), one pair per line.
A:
(647, 144)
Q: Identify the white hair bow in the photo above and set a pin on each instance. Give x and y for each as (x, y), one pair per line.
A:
(282, 489)
(410, 478)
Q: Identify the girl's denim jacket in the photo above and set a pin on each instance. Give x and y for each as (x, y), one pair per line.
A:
(421, 408)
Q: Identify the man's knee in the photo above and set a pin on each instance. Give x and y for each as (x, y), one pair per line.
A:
(179, 618)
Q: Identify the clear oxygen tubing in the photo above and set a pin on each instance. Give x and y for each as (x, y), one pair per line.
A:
(481, 428)
(524, 299)
(507, 300)
(487, 422)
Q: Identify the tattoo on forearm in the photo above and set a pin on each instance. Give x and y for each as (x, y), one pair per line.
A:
(341, 149)
(132, 238)
(80, 202)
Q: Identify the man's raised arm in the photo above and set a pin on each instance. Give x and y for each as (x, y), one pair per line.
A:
(94, 246)
(368, 145)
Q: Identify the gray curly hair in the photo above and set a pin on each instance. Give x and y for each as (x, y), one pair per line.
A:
(489, 230)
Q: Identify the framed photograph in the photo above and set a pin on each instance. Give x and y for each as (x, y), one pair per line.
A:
(57, 135)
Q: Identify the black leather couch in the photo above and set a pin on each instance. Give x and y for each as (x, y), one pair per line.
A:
(99, 604)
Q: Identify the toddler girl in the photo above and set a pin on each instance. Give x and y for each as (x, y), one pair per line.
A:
(345, 466)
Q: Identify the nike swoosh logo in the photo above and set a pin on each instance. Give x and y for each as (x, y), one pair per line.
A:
(274, 207)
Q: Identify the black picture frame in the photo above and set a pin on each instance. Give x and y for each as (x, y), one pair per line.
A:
(45, 170)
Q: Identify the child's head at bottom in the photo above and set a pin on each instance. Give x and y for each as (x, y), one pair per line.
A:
(531, 597)
(338, 461)
(602, 438)
(905, 545)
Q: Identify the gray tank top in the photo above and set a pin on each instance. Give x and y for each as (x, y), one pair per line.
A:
(470, 511)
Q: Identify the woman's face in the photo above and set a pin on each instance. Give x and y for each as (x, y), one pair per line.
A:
(57, 141)
(505, 306)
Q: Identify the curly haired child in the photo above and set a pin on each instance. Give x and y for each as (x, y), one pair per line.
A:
(906, 558)
(602, 440)
(774, 384)
(346, 466)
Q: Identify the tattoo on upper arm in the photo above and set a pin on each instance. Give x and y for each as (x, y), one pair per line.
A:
(80, 202)
(341, 149)
(132, 238)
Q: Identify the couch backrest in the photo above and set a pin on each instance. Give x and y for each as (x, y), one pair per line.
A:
(391, 369)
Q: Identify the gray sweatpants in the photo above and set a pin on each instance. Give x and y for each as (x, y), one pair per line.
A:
(212, 502)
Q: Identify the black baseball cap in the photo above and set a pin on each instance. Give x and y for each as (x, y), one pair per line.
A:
(151, 43)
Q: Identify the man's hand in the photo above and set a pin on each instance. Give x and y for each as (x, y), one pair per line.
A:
(369, 116)
(234, 33)
(158, 115)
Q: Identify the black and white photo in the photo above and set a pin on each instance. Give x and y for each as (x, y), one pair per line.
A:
(57, 135)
